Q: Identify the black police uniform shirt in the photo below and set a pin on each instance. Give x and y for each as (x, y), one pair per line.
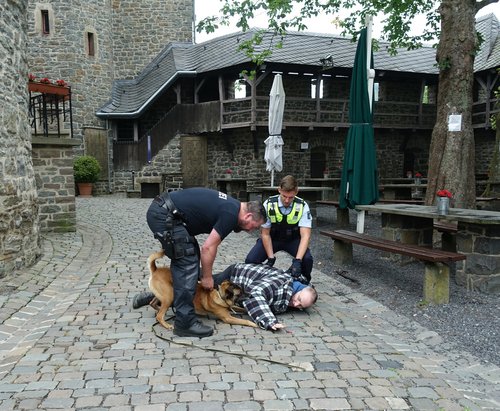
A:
(205, 209)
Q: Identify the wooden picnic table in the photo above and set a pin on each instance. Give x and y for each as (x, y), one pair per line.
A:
(477, 236)
(323, 192)
(403, 191)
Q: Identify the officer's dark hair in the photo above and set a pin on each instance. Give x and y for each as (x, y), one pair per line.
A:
(257, 209)
(288, 183)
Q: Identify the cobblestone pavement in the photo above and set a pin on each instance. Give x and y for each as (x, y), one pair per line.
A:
(69, 339)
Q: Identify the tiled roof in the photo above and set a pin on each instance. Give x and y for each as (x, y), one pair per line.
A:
(489, 53)
(131, 97)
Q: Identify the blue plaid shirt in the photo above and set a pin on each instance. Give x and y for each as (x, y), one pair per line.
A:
(268, 291)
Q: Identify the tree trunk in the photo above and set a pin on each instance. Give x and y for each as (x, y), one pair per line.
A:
(451, 157)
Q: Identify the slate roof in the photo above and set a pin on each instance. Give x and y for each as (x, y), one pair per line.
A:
(129, 98)
(489, 54)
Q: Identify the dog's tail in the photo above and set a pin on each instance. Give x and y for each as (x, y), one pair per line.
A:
(152, 260)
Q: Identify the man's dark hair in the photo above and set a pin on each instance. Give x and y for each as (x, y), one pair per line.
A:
(257, 209)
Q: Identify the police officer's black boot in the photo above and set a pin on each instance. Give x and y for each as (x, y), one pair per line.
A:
(185, 277)
(142, 299)
(197, 329)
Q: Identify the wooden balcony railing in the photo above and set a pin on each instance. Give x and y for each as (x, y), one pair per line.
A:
(299, 112)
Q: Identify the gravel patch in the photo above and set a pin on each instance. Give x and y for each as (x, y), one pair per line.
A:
(471, 320)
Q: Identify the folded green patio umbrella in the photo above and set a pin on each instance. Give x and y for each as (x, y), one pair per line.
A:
(359, 182)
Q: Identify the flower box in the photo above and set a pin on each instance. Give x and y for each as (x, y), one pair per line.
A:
(37, 87)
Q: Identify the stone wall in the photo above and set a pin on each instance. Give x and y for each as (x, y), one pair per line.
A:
(242, 151)
(19, 233)
(481, 245)
(53, 163)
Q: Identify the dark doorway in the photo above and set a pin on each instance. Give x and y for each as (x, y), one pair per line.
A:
(408, 162)
(150, 190)
(318, 163)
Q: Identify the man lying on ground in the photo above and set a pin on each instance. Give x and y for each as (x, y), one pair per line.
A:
(268, 291)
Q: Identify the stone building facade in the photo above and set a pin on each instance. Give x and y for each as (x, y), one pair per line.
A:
(19, 229)
(126, 35)
(89, 45)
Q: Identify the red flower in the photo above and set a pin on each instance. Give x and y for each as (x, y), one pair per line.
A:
(31, 77)
(61, 83)
(444, 193)
(45, 80)
(228, 171)
(418, 175)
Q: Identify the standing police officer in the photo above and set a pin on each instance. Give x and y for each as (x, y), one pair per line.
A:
(175, 219)
(288, 228)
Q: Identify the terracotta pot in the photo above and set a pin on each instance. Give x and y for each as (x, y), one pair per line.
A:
(85, 189)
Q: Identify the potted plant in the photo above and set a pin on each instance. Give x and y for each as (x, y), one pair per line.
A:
(86, 170)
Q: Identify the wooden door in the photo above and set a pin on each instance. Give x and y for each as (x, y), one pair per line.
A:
(194, 161)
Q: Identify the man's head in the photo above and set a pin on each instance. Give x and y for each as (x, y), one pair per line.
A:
(252, 215)
(304, 298)
(288, 189)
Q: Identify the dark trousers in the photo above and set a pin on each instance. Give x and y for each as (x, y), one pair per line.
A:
(258, 254)
(185, 269)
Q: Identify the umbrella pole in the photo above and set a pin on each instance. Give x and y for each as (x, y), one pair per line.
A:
(272, 178)
(360, 223)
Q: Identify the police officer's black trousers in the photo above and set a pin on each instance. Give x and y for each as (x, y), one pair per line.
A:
(185, 269)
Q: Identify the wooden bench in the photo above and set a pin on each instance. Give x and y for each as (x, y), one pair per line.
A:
(437, 271)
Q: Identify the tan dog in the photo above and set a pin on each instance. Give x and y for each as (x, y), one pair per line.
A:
(217, 302)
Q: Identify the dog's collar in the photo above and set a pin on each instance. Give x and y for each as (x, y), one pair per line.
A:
(220, 296)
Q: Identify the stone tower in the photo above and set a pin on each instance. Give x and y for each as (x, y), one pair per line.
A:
(19, 233)
(90, 44)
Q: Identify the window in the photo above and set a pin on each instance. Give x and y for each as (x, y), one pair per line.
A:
(90, 44)
(425, 95)
(126, 130)
(375, 91)
(313, 88)
(240, 89)
(45, 22)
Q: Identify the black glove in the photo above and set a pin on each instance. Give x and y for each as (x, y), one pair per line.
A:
(296, 268)
(270, 261)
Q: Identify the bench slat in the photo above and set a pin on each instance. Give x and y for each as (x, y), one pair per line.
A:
(416, 251)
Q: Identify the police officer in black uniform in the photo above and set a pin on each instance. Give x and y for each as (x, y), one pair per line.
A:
(288, 228)
(175, 219)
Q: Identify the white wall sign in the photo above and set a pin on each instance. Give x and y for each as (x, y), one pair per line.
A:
(455, 122)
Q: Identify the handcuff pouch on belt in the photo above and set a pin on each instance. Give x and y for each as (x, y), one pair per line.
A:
(175, 246)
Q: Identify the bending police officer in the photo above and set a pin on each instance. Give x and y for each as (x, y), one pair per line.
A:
(175, 219)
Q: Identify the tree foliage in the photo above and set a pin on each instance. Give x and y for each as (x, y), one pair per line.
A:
(451, 22)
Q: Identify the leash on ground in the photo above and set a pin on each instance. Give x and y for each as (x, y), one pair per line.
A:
(191, 344)
(343, 273)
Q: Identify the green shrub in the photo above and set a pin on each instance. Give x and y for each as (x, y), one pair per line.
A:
(86, 169)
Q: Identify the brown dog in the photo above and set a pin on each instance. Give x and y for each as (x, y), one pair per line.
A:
(217, 302)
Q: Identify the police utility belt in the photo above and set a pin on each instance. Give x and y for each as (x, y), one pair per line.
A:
(175, 246)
